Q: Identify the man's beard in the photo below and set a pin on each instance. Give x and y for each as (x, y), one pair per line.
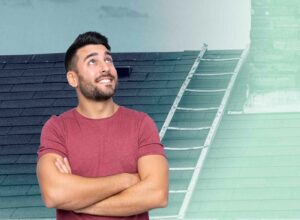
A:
(91, 91)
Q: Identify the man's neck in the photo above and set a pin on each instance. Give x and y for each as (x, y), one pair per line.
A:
(97, 110)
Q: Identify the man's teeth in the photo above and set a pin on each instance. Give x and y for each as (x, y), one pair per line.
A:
(105, 81)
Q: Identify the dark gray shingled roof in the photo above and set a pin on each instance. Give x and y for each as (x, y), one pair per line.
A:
(33, 87)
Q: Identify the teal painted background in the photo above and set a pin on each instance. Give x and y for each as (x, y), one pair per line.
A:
(48, 26)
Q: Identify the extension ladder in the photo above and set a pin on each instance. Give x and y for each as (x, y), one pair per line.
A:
(192, 122)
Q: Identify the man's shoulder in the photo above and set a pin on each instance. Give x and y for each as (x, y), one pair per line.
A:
(67, 114)
(59, 119)
(132, 113)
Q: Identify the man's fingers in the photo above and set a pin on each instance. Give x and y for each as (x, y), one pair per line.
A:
(58, 166)
(62, 166)
(67, 165)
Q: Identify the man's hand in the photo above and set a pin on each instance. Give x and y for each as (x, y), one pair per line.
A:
(63, 166)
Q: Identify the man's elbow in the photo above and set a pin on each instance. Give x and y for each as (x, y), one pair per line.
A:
(51, 199)
(50, 203)
(162, 199)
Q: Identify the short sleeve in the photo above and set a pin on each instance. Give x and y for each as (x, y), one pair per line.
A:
(149, 141)
(52, 138)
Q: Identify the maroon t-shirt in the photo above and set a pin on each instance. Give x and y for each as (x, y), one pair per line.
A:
(100, 147)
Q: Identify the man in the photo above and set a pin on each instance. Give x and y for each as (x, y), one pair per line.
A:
(100, 160)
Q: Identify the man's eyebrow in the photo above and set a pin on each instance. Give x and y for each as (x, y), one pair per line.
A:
(95, 54)
(90, 55)
(108, 53)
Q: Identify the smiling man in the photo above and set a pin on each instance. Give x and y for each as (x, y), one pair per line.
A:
(100, 160)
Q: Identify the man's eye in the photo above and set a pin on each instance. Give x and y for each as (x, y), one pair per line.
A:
(92, 61)
(108, 60)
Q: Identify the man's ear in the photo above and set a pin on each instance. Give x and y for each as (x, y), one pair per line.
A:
(72, 78)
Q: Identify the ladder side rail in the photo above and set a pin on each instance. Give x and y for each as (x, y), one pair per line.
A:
(174, 107)
(181, 91)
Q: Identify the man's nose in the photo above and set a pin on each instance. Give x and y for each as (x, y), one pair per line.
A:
(104, 67)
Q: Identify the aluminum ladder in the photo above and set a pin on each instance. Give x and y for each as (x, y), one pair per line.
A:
(192, 123)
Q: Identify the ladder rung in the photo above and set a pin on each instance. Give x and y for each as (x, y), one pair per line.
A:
(221, 59)
(183, 148)
(164, 217)
(235, 112)
(181, 168)
(178, 191)
(188, 129)
(205, 90)
(196, 109)
(213, 74)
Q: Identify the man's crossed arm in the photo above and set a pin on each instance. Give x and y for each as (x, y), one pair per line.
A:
(119, 195)
(64, 190)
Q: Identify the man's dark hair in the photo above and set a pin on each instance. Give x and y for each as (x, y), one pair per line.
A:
(81, 41)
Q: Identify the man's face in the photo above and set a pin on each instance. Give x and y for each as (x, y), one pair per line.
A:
(97, 75)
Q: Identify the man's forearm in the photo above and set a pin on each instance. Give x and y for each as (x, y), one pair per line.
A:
(70, 192)
(151, 192)
(75, 192)
(135, 200)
